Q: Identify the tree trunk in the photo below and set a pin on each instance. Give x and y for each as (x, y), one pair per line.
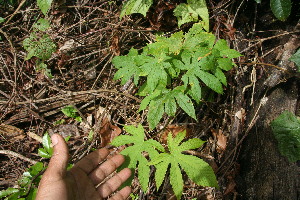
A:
(265, 173)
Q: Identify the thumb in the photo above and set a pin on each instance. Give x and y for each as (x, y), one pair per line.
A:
(57, 167)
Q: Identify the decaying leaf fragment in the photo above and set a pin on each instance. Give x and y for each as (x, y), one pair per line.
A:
(9, 132)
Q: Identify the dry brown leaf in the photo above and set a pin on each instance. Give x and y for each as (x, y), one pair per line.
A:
(11, 132)
(230, 188)
(174, 129)
(108, 132)
(115, 46)
(221, 140)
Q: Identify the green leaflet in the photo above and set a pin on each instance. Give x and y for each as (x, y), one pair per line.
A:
(135, 6)
(70, 111)
(134, 152)
(42, 24)
(281, 8)
(286, 129)
(191, 12)
(198, 170)
(7, 192)
(47, 150)
(194, 57)
(44, 5)
(296, 59)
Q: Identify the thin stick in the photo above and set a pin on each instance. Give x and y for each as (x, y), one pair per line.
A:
(8, 152)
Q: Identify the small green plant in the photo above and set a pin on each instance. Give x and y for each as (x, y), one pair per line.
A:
(39, 44)
(29, 182)
(70, 111)
(286, 129)
(176, 68)
(196, 169)
(280, 8)
(46, 151)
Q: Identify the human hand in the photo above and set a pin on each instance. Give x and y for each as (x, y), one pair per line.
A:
(81, 181)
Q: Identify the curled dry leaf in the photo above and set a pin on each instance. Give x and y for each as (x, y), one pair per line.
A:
(221, 139)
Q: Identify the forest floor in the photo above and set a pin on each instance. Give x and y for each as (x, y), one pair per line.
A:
(88, 34)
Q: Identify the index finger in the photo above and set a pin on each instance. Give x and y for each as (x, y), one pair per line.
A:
(91, 161)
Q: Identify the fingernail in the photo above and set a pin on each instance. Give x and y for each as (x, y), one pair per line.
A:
(54, 139)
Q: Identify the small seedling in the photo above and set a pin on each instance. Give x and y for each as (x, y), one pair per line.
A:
(70, 111)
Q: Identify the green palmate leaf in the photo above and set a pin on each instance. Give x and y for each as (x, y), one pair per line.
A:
(42, 47)
(42, 24)
(156, 110)
(191, 12)
(195, 58)
(224, 63)
(43, 153)
(221, 76)
(296, 59)
(176, 179)
(170, 45)
(166, 102)
(135, 6)
(211, 81)
(281, 8)
(44, 5)
(186, 104)
(127, 66)
(198, 170)
(286, 129)
(134, 152)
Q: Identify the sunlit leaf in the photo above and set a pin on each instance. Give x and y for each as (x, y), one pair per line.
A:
(135, 6)
(44, 5)
(191, 12)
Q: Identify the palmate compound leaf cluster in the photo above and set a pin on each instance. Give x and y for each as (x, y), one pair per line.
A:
(173, 159)
(194, 59)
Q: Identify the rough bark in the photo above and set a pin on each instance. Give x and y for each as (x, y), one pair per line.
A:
(265, 174)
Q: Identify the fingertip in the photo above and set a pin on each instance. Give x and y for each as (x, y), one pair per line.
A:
(59, 160)
(54, 139)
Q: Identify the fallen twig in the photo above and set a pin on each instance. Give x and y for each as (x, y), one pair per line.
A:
(8, 152)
